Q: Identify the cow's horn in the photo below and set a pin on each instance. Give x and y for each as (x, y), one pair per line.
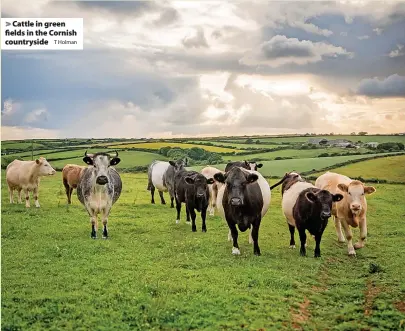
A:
(116, 154)
(85, 153)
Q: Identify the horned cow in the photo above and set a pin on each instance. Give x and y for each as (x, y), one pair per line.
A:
(25, 176)
(71, 174)
(99, 188)
(351, 211)
(249, 165)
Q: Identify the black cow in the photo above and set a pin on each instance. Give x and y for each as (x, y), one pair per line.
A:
(250, 165)
(311, 212)
(191, 188)
(245, 200)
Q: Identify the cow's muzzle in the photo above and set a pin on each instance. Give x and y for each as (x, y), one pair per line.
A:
(200, 195)
(236, 202)
(102, 180)
(325, 215)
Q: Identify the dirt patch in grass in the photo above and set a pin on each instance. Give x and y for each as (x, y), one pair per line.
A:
(371, 292)
(301, 316)
(400, 306)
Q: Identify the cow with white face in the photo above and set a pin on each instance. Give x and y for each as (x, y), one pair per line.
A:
(249, 165)
(351, 210)
(25, 176)
(99, 188)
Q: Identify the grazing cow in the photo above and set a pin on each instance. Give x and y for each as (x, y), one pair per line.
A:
(161, 177)
(305, 207)
(243, 201)
(25, 175)
(99, 188)
(250, 165)
(71, 174)
(209, 172)
(191, 188)
(351, 210)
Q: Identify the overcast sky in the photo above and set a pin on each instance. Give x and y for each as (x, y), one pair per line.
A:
(199, 68)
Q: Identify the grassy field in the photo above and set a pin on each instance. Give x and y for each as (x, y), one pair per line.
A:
(158, 145)
(371, 138)
(155, 275)
(19, 145)
(294, 153)
(388, 168)
(280, 167)
(236, 145)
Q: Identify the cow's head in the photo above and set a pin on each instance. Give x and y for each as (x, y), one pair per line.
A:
(236, 181)
(200, 183)
(101, 162)
(323, 199)
(252, 165)
(355, 194)
(289, 179)
(179, 164)
(44, 168)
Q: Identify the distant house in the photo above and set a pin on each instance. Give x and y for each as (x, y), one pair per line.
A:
(318, 141)
(372, 144)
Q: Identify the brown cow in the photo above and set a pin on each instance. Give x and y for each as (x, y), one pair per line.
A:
(25, 175)
(209, 172)
(351, 210)
(71, 174)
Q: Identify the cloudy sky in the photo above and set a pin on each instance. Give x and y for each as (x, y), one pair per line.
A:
(200, 68)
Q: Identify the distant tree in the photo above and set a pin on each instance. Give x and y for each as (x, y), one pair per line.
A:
(353, 134)
(401, 146)
(362, 133)
(249, 141)
(164, 150)
(257, 141)
(323, 155)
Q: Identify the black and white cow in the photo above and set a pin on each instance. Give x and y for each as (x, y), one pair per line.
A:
(243, 201)
(250, 165)
(191, 188)
(99, 188)
(306, 207)
(161, 177)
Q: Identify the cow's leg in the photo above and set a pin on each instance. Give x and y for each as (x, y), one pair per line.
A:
(193, 216)
(67, 189)
(234, 232)
(94, 226)
(105, 220)
(349, 237)
(229, 235)
(187, 214)
(318, 237)
(19, 195)
(211, 204)
(363, 234)
(255, 237)
(250, 236)
(203, 218)
(70, 194)
(338, 228)
(35, 193)
(27, 198)
(292, 233)
(11, 193)
(162, 199)
(171, 201)
(152, 193)
(178, 207)
(303, 239)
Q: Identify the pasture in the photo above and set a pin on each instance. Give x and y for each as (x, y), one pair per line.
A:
(152, 274)
(158, 145)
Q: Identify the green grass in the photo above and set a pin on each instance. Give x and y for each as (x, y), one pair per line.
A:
(236, 145)
(155, 275)
(294, 153)
(388, 168)
(280, 167)
(19, 145)
(158, 145)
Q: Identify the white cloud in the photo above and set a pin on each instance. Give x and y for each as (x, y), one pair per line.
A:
(397, 52)
(37, 115)
(363, 37)
(378, 31)
(18, 133)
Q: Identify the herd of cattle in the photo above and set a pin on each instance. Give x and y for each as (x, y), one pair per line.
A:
(240, 194)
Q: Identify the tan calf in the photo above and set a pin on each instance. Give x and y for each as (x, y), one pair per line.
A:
(71, 174)
(351, 211)
(25, 176)
(209, 172)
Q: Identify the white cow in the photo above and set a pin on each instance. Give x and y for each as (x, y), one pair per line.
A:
(25, 176)
(209, 172)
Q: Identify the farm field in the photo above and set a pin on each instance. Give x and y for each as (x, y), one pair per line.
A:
(158, 145)
(387, 168)
(236, 145)
(156, 275)
(295, 139)
(294, 153)
(280, 167)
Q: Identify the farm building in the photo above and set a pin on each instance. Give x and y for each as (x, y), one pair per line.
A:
(371, 144)
(318, 141)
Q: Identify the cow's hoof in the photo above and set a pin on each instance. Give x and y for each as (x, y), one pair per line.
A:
(358, 246)
(194, 229)
(163, 203)
(177, 221)
(204, 230)
(105, 237)
(93, 237)
(302, 253)
(352, 253)
(235, 251)
(258, 253)
(317, 255)
(292, 247)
